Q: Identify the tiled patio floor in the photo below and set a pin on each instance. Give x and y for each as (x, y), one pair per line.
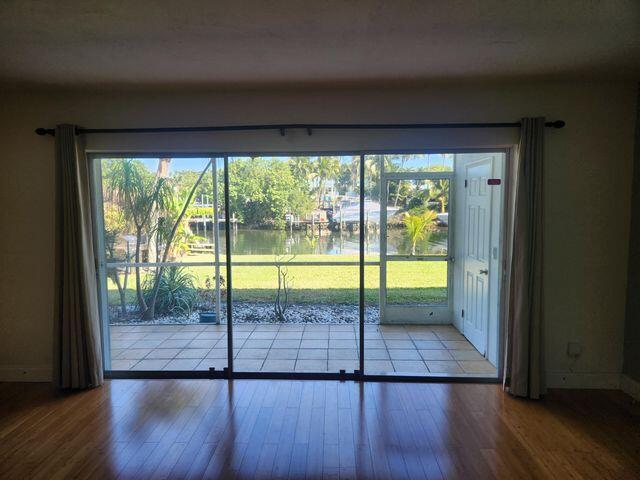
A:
(411, 349)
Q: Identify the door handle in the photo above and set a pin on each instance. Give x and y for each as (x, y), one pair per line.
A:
(484, 271)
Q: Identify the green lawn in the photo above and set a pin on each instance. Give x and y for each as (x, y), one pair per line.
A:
(407, 282)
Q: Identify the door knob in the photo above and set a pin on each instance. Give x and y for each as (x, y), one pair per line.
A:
(484, 271)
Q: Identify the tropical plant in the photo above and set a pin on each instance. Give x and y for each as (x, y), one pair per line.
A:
(327, 168)
(141, 196)
(439, 192)
(417, 227)
(172, 291)
(114, 224)
(168, 237)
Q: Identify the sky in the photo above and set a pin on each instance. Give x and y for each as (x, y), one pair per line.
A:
(197, 164)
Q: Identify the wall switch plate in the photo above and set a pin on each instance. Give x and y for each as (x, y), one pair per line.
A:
(574, 349)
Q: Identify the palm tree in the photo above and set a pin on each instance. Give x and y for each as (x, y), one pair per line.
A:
(141, 196)
(439, 192)
(417, 227)
(149, 312)
(328, 168)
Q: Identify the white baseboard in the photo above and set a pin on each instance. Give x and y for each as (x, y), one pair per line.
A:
(630, 386)
(21, 373)
(583, 380)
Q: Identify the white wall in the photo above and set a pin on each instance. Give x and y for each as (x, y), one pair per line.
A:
(588, 171)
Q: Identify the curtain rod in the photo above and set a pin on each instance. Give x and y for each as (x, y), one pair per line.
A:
(309, 127)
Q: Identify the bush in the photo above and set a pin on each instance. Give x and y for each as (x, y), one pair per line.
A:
(177, 292)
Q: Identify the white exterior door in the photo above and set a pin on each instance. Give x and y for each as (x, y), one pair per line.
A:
(477, 241)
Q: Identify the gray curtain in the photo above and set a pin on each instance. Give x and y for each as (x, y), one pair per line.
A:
(77, 350)
(524, 353)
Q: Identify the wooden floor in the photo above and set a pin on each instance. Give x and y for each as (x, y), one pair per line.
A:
(313, 429)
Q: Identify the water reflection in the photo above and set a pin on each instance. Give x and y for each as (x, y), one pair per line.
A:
(271, 242)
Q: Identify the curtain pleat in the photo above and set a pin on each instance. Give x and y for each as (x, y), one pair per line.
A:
(77, 348)
(524, 369)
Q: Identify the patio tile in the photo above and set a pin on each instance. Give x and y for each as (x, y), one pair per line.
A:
(315, 335)
(403, 344)
(174, 343)
(443, 367)
(150, 365)
(184, 335)
(409, 366)
(472, 366)
(289, 335)
(221, 353)
(448, 335)
(314, 344)
(436, 355)
(202, 343)
(122, 343)
(339, 335)
(282, 354)
(260, 335)
(425, 335)
(278, 365)
(133, 335)
(243, 334)
(162, 353)
(266, 328)
(116, 352)
(257, 343)
(311, 353)
(285, 344)
(311, 366)
(373, 343)
(347, 365)
(193, 328)
(347, 344)
(376, 354)
(466, 355)
(253, 353)
(166, 328)
(210, 335)
(342, 354)
(157, 336)
(294, 327)
(248, 365)
(193, 353)
(134, 353)
(457, 345)
(428, 344)
(341, 328)
(383, 366)
(248, 327)
(323, 327)
(146, 343)
(122, 364)
(403, 354)
(182, 364)
(395, 335)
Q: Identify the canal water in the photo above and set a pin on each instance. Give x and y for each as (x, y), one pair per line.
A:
(272, 242)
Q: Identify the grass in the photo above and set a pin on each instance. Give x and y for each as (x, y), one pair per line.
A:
(407, 282)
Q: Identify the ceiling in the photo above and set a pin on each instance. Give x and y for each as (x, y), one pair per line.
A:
(239, 43)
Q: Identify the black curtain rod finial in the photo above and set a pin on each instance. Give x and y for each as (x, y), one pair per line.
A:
(45, 131)
(556, 124)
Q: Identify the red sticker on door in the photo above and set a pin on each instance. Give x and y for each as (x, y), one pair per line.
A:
(494, 181)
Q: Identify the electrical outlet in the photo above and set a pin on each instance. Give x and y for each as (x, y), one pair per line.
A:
(574, 349)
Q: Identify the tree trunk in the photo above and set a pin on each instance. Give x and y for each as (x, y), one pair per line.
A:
(141, 302)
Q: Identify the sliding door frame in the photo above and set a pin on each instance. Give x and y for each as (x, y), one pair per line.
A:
(359, 374)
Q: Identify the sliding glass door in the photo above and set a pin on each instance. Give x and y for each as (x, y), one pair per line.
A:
(158, 230)
(310, 253)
